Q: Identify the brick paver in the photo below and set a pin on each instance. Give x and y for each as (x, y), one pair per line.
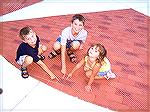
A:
(124, 33)
(7, 6)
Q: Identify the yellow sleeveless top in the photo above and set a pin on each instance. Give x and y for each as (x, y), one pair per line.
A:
(87, 67)
(105, 65)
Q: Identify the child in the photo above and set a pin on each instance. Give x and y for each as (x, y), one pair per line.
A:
(30, 50)
(71, 39)
(96, 65)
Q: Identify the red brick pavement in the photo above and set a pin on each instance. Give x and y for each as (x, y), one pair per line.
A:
(124, 33)
(7, 6)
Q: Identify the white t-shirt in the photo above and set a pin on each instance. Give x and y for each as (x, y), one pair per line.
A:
(67, 35)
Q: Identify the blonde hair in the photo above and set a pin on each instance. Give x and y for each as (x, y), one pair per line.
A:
(102, 52)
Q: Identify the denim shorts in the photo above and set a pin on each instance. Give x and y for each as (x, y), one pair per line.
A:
(68, 44)
(102, 73)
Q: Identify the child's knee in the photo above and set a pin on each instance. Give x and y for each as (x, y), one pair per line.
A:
(44, 48)
(75, 45)
(28, 60)
(56, 45)
(88, 74)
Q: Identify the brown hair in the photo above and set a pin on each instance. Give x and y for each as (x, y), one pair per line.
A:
(24, 31)
(102, 52)
(79, 17)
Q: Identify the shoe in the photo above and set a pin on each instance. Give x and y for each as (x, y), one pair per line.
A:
(110, 75)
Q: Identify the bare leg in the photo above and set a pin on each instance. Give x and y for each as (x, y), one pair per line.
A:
(75, 45)
(42, 49)
(56, 46)
(89, 73)
(56, 50)
(28, 60)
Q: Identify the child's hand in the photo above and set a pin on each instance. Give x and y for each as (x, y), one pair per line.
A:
(70, 75)
(54, 77)
(88, 88)
(81, 47)
(63, 71)
(63, 76)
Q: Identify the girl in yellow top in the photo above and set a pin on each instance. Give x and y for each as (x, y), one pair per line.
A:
(96, 65)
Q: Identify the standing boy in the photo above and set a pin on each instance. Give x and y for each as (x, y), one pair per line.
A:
(71, 39)
(30, 50)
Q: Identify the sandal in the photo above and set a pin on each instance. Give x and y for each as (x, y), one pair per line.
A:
(24, 72)
(54, 53)
(41, 57)
(110, 75)
(72, 56)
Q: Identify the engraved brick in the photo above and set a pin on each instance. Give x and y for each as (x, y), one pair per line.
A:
(105, 23)
(139, 16)
(128, 71)
(104, 36)
(138, 20)
(54, 66)
(103, 27)
(45, 26)
(130, 30)
(45, 40)
(66, 82)
(117, 16)
(122, 92)
(14, 29)
(143, 28)
(140, 45)
(131, 53)
(121, 64)
(141, 85)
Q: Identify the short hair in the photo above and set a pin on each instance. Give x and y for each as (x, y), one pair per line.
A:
(79, 17)
(24, 31)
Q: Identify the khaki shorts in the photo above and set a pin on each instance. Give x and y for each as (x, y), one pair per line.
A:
(21, 59)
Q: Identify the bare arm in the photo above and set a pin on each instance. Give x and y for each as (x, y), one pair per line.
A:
(46, 69)
(81, 46)
(94, 73)
(63, 59)
(76, 67)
